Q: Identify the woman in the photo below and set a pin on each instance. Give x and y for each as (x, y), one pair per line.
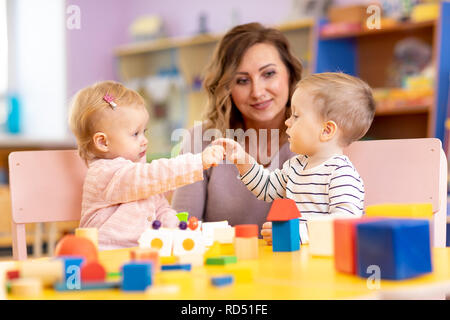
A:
(249, 82)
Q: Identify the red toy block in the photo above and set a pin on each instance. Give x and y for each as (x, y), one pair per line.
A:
(13, 274)
(345, 243)
(92, 272)
(283, 210)
(71, 245)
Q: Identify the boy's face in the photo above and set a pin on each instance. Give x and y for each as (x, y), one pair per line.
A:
(305, 124)
(126, 133)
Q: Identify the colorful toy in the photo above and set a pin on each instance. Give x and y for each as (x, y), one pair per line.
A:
(72, 267)
(193, 223)
(187, 241)
(399, 248)
(416, 210)
(156, 224)
(71, 245)
(26, 287)
(240, 274)
(222, 281)
(321, 236)
(171, 267)
(92, 272)
(345, 259)
(47, 271)
(183, 216)
(285, 225)
(246, 241)
(146, 254)
(214, 250)
(136, 276)
(221, 261)
(224, 235)
(88, 233)
(60, 286)
(182, 225)
(160, 239)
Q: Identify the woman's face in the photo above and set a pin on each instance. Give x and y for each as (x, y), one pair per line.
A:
(260, 88)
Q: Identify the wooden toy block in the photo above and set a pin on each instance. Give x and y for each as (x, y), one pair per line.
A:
(224, 235)
(88, 233)
(178, 277)
(48, 271)
(241, 274)
(321, 236)
(160, 239)
(208, 230)
(183, 216)
(61, 286)
(92, 272)
(188, 242)
(285, 216)
(213, 251)
(345, 259)
(72, 266)
(221, 261)
(71, 245)
(168, 260)
(222, 281)
(416, 210)
(194, 259)
(171, 267)
(285, 235)
(400, 248)
(146, 254)
(136, 276)
(26, 287)
(227, 249)
(13, 274)
(246, 241)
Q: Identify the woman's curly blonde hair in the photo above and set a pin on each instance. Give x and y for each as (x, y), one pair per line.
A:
(221, 112)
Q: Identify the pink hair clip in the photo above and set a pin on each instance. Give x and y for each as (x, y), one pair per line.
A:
(110, 99)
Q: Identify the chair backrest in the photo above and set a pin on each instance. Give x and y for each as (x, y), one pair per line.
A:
(404, 171)
(46, 186)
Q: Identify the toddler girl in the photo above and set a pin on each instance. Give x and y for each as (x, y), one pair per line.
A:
(122, 194)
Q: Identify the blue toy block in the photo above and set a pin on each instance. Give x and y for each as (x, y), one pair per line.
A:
(72, 266)
(222, 281)
(136, 276)
(61, 286)
(169, 267)
(285, 235)
(399, 247)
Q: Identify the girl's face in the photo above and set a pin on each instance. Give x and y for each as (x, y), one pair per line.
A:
(126, 133)
(260, 88)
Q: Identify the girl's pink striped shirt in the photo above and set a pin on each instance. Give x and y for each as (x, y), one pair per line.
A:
(122, 198)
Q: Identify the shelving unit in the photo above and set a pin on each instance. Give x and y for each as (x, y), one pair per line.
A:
(190, 57)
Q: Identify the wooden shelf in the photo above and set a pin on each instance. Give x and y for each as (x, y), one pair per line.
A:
(399, 27)
(172, 43)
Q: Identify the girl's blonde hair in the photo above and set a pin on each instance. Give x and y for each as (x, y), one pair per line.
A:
(221, 111)
(88, 105)
(344, 99)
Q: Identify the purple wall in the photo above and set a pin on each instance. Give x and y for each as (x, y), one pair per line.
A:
(105, 23)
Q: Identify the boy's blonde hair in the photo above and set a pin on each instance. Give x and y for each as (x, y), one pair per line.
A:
(87, 107)
(344, 99)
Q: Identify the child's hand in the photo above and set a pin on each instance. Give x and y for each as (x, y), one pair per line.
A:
(266, 232)
(233, 151)
(212, 155)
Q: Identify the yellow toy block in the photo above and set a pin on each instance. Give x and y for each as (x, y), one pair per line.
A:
(88, 233)
(227, 249)
(193, 259)
(415, 210)
(168, 260)
(213, 251)
(48, 271)
(26, 287)
(321, 236)
(241, 274)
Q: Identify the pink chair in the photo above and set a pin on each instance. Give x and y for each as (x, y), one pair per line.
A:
(46, 186)
(405, 171)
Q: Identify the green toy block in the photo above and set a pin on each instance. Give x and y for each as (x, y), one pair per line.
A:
(220, 261)
(183, 216)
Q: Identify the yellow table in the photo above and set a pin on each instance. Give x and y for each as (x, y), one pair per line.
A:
(281, 276)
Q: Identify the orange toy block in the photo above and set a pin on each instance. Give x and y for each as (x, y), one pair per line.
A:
(246, 241)
(92, 272)
(146, 254)
(345, 243)
(71, 245)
